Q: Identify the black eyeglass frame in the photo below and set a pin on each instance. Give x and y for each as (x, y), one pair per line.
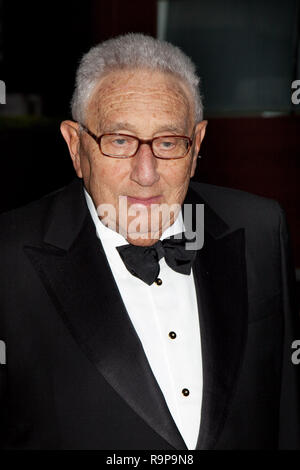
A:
(140, 141)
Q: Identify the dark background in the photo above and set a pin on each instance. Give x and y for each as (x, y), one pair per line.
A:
(250, 148)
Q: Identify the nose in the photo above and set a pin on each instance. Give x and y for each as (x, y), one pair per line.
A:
(144, 166)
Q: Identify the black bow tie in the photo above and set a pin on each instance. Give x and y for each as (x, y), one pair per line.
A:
(143, 261)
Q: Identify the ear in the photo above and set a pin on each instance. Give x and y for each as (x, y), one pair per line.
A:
(199, 136)
(70, 132)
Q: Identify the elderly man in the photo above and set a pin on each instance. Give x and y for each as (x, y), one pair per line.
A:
(119, 333)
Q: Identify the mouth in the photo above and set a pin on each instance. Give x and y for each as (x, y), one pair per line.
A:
(146, 201)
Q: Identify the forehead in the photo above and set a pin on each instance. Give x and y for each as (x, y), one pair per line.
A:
(140, 98)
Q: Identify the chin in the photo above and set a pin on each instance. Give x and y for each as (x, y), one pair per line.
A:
(139, 241)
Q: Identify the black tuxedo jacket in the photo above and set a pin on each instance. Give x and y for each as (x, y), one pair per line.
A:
(76, 376)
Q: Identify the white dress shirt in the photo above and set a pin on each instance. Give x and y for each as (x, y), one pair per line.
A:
(156, 311)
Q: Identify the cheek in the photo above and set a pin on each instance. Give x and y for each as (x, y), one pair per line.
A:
(177, 179)
(177, 173)
(107, 175)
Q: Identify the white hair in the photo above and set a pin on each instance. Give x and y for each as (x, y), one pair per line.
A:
(132, 50)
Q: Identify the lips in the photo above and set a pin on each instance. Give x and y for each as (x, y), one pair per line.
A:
(146, 201)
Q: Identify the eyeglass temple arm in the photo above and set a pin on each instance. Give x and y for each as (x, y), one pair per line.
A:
(85, 129)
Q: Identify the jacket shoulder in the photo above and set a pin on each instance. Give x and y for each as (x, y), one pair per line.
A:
(240, 208)
(28, 221)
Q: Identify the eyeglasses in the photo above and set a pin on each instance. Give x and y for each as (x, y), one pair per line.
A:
(167, 147)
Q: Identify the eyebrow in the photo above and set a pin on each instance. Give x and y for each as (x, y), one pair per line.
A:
(129, 127)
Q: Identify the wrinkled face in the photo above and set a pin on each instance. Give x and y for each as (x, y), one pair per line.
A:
(145, 104)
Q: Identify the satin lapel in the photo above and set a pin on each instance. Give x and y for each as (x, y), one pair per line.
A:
(221, 285)
(79, 281)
